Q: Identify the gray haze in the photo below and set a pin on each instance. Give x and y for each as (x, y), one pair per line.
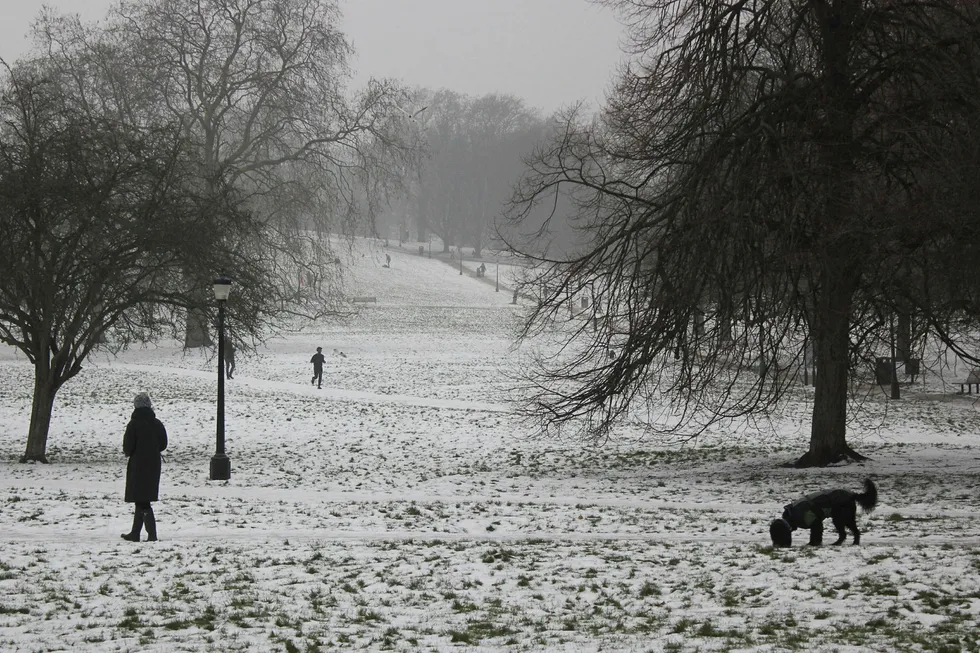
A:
(548, 52)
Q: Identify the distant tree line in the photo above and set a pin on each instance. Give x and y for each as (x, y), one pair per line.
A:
(474, 156)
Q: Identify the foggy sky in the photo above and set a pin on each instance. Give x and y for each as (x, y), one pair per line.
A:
(549, 52)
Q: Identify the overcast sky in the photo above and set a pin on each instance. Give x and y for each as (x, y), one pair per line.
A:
(549, 52)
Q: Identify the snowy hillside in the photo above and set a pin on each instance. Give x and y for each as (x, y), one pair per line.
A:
(404, 506)
(417, 280)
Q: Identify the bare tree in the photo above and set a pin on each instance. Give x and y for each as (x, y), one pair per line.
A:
(501, 130)
(475, 147)
(259, 89)
(759, 168)
(440, 192)
(99, 221)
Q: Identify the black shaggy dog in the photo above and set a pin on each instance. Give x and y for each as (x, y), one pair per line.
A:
(810, 511)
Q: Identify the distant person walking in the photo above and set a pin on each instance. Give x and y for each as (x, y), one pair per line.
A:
(229, 358)
(387, 260)
(143, 442)
(317, 361)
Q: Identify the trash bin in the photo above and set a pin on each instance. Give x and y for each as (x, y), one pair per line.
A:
(883, 371)
(912, 367)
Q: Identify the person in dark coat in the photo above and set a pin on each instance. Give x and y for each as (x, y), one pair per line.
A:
(229, 358)
(317, 361)
(145, 438)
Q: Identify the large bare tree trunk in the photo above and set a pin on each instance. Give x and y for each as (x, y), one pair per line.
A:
(831, 335)
(41, 409)
(840, 263)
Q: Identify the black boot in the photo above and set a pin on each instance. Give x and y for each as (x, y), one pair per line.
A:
(134, 535)
(151, 525)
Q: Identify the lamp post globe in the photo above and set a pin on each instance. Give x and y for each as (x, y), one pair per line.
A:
(222, 288)
(220, 463)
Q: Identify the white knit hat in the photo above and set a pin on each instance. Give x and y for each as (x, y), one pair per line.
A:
(142, 400)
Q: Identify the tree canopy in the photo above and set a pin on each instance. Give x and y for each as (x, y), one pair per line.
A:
(99, 223)
(767, 176)
(474, 148)
(175, 141)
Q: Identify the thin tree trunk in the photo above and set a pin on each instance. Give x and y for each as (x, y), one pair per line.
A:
(698, 326)
(903, 336)
(725, 331)
(196, 333)
(41, 409)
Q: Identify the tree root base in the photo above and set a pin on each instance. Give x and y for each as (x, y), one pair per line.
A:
(34, 459)
(847, 455)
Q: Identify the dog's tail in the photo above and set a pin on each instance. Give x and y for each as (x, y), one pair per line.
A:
(869, 498)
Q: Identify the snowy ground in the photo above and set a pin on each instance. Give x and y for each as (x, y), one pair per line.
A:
(403, 507)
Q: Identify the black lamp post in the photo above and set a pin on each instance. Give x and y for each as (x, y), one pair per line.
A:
(496, 287)
(220, 463)
(896, 390)
(461, 260)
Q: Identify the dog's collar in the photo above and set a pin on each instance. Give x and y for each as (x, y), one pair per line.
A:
(788, 525)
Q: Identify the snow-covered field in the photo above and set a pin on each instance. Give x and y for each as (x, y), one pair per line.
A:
(402, 507)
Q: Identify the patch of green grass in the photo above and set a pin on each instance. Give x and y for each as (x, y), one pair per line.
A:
(500, 555)
(649, 589)
(874, 584)
(480, 629)
(730, 598)
(131, 620)
(147, 636)
(34, 516)
(207, 618)
(827, 592)
(681, 625)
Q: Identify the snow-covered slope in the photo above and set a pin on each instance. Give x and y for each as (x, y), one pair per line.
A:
(414, 280)
(405, 507)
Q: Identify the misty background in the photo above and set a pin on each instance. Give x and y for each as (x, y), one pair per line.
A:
(547, 52)
(491, 77)
(161, 142)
